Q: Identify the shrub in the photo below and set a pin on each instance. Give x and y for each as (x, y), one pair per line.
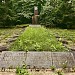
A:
(46, 16)
(65, 15)
(60, 13)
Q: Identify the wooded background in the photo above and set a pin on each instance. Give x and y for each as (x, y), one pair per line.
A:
(53, 13)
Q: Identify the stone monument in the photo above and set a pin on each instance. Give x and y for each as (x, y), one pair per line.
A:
(35, 17)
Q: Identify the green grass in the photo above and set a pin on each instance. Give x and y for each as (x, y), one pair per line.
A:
(37, 39)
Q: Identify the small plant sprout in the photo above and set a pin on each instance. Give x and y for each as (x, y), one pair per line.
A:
(59, 72)
(17, 69)
(24, 66)
(22, 70)
(52, 68)
(64, 65)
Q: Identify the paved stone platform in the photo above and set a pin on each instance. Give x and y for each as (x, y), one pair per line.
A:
(35, 26)
(36, 59)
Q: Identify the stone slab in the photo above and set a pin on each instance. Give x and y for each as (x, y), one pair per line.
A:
(39, 59)
(73, 53)
(60, 58)
(14, 59)
(36, 59)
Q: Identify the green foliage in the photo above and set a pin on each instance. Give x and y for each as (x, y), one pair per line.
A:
(52, 68)
(37, 39)
(14, 12)
(65, 15)
(59, 72)
(22, 71)
(6, 14)
(59, 13)
(47, 15)
(25, 9)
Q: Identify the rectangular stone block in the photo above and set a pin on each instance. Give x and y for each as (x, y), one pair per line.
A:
(59, 58)
(36, 59)
(39, 59)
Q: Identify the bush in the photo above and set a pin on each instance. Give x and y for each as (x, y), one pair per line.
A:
(65, 15)
(7, 15)
(13, 12)
(60, 14)
(46, 16)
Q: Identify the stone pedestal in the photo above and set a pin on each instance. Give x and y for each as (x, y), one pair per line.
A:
(35, 17)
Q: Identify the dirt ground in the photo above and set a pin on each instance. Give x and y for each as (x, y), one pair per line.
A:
(35, 73)
(7, 73)
(49, 73)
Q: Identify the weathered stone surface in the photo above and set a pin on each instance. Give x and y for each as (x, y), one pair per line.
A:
(73, 54)
(15, 36)
(13, 59)
(3, 47)
(39, 59)
(36, 59)
(72, 48)
(10, 40)
(59, 58)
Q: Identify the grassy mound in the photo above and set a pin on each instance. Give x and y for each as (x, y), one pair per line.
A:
(37, 39)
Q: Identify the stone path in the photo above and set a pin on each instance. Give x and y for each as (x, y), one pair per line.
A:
(36, 59)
